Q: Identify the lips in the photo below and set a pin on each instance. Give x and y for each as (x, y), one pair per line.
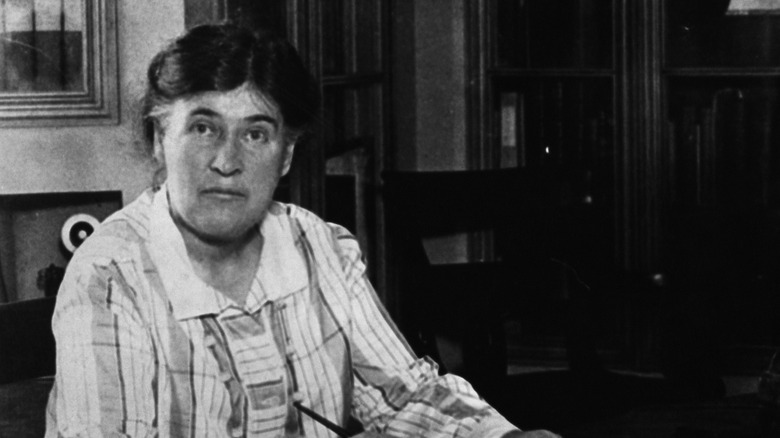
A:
(224, 192)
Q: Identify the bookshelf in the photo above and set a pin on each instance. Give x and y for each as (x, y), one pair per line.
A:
(549, 99)
(666, 112)
(546, 96)
(720, 79)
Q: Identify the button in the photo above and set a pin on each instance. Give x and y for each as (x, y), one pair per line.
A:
(237, 432)
(298, 396)
(209, 341)
(224, 376)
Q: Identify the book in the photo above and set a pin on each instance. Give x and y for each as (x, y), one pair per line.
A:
(509, 131)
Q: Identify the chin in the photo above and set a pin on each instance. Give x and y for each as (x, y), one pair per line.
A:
(223, 236)
(219, 225)
(222, 231)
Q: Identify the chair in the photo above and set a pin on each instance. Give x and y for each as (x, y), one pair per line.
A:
(26, 340)
(543, 238)
(27, 364)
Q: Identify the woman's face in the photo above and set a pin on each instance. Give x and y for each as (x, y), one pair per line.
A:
(224, 153)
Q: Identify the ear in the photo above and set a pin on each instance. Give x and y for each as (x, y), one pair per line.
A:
(287, 159)
(157, 151)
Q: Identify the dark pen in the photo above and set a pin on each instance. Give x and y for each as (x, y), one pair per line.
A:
(340, 431)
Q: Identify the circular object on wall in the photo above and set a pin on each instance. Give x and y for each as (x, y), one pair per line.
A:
(76, 230)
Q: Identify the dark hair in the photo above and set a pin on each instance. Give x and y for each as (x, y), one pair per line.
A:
(222, 57)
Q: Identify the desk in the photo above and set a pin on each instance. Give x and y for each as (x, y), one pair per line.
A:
(23, 407)
(729, 417)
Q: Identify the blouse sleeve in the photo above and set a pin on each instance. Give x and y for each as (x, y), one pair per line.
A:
(105, 359)
(395, 392)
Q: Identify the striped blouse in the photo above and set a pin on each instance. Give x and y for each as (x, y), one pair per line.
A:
(145, 348)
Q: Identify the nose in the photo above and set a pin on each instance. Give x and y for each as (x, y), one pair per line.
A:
(227, 161)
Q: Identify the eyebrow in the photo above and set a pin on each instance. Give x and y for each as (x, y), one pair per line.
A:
(263, 118)
(207, 112)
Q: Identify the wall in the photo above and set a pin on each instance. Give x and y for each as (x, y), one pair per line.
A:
(30, 228)
(441, 89)
(429, 75)
(97, 157)
(78, 159)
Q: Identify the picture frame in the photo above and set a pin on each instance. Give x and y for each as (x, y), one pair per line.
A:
(58, 63)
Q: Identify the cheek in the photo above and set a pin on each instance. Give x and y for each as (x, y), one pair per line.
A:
(267, 168)
(182, 163)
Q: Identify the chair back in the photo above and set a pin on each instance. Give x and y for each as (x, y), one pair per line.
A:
(27, 347)
(538, 226)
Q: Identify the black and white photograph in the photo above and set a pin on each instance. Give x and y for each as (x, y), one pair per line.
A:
(390, 218)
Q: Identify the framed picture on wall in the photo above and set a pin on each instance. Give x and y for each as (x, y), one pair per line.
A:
(58, 62)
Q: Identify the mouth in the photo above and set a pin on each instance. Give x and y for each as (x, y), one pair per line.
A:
(223, 193)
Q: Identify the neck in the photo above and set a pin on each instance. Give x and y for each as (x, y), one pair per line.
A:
(226, 265)
(218, 253)
(207, 249)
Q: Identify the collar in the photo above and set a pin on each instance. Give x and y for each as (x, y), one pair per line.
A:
(281, 272)
(282, 268)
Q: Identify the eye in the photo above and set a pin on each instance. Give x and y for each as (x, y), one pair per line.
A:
(256, 136)
(203, 129)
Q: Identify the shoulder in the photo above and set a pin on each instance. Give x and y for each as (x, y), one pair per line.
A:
(306, 219)
(313, 228)
(331, 245)
(118, 236)
(107, 266)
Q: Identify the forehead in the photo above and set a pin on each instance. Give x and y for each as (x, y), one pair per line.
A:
(238, 104)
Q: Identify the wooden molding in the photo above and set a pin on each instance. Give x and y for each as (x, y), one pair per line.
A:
(97, 104)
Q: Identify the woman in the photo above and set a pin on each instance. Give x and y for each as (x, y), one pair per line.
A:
(204, 308)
